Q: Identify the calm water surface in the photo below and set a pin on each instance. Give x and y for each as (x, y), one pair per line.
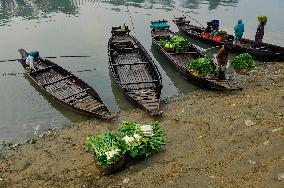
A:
(82, 27)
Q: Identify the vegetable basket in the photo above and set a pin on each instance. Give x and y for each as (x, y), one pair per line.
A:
(118, 165)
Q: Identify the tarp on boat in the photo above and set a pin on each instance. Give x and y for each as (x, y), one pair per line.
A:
(159, 25)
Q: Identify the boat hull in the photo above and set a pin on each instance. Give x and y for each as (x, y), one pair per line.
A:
(266, 52)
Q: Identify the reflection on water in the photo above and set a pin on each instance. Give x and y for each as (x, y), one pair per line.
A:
(212, 4)
(28, 9)
(34, 9)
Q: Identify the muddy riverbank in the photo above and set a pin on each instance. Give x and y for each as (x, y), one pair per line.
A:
(214, 139)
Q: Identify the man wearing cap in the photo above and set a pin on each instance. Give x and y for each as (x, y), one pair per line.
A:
(32, 59)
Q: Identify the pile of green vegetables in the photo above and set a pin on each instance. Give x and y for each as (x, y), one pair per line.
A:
(177, 44)
(222, 34)
(262, 19)
(132, 139)
(141, 140)
(243, 61)
(201, 66)
(106, 148)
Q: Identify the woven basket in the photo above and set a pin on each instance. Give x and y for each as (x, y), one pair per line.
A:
(116, 167)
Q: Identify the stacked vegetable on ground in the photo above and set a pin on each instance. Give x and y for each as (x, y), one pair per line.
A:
(141, 140)
(177, 44)
(106, 148)
(200, 67)
(243, 62)
(110, 149)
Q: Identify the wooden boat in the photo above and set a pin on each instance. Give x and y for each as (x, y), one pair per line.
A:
(266, 52)
(66, 88)
(180, 60)
(134, 70)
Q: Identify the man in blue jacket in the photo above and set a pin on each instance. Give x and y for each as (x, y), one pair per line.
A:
(239, 31)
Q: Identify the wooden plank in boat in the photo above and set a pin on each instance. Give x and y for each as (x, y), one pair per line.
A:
(122, 64)
(84, 90)
(44, 69)
(96, 107)
(64, 78)
(143, 82)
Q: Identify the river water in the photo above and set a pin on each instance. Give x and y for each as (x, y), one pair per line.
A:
(82, 27)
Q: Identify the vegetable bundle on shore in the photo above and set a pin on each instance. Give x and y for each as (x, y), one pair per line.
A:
(111, 149)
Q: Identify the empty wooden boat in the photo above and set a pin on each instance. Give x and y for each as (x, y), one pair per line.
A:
(134, 70)
(265, 52)
(160, 31)
(66, 88)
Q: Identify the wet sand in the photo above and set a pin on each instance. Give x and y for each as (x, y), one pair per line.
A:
(214, 139)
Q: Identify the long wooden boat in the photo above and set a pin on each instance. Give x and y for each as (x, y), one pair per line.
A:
(66, 88)
(265, 52)
(180, 60)
(134, 70)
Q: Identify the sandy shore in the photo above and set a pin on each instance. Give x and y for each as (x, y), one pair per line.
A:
(214, 139)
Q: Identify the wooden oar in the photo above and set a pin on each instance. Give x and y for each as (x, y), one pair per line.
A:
(49, 57)
(20, 73)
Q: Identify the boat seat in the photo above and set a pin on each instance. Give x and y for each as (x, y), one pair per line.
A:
(81, 100)
(96, 107)
(122, 64)
(50, 83)
(43, 69)
(145, 82)
(183, 53)
(84, 90)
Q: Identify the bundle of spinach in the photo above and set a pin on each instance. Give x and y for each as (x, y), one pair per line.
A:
(262, 19)
(180, 44)
(166, 44)
(243, 61)
(177, 43)
(141, 140)
(201, 66)
(106, 149)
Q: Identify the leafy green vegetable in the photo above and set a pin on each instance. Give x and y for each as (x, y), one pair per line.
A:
(141, 140)
(243, 61)
(222, 34)
(262, 19)
(201, 66)
(106, 149)
(177, 43)
(180, 44)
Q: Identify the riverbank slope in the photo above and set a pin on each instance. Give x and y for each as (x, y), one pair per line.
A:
(214, 139)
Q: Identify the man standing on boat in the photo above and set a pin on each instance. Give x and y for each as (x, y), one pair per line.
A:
(222, 58)
(239, 31)
(260, 30)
